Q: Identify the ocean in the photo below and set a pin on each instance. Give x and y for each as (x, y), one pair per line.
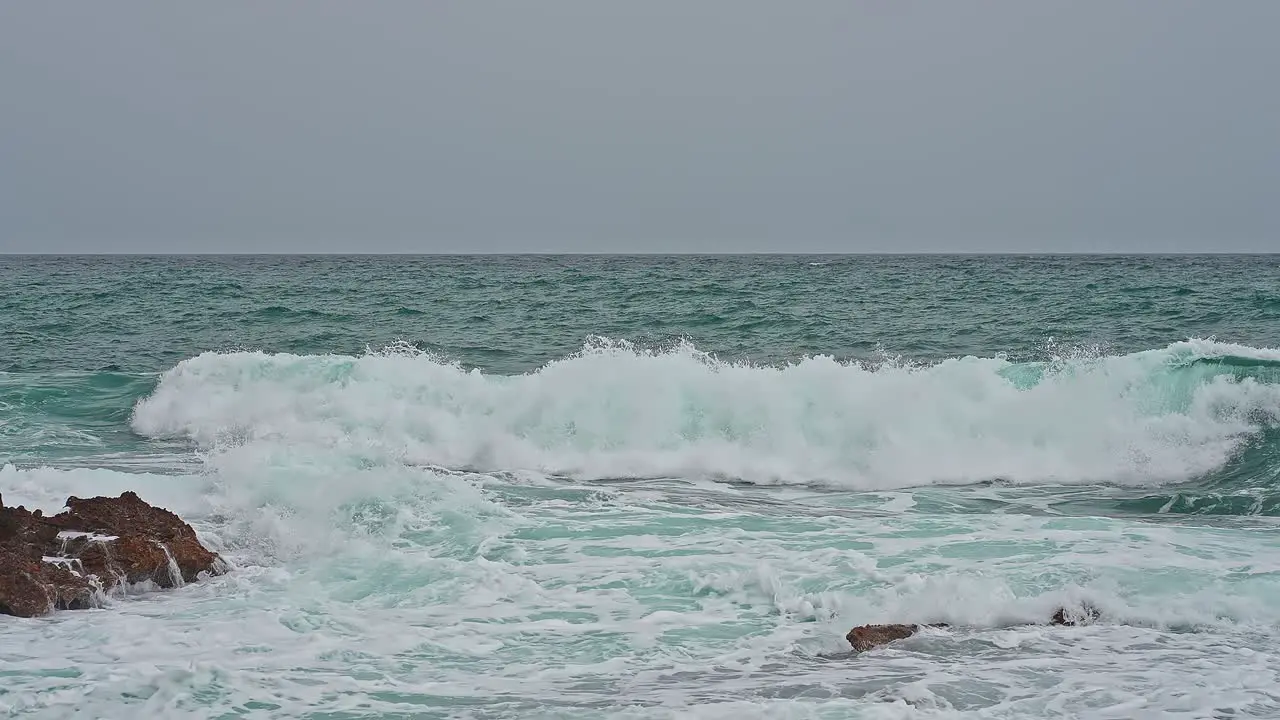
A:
(658, 487)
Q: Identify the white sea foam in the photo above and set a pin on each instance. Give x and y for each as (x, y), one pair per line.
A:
(413, 591)
(91, 537)
(613, 411)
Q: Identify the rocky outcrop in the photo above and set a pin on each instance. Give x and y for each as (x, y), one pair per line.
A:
(96, 547)
(866, 637)
(149, 543)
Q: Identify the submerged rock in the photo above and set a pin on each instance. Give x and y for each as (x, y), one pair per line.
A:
(96, 546)
(866, 637)
(1084, 615)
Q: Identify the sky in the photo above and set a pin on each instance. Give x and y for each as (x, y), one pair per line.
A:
(657, 126)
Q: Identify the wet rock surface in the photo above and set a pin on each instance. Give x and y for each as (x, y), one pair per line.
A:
(96, 547)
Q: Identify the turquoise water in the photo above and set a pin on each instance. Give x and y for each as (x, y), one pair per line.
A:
(657, 487)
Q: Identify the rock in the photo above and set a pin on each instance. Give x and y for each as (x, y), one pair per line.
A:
(25, 534)
(29, 585)
(33, 587)
(147, 539)
(97, 546)
(866, 637)
(1086, 614)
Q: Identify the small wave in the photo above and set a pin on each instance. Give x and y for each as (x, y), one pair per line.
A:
(1191, 502)
(280, 312)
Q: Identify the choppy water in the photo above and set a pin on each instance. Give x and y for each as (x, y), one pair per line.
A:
(659, 487)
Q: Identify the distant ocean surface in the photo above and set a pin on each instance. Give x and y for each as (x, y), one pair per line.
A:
(658, 487)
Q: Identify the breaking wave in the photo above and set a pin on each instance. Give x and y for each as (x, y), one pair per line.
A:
(614, 410)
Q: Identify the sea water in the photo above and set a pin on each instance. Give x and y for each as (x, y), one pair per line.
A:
(658, 487)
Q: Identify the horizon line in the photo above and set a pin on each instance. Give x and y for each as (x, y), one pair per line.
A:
(756, 253)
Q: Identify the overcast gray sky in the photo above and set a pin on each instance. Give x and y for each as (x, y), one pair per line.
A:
(706, 126)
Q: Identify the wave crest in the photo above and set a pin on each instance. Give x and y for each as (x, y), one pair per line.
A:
(616, 410)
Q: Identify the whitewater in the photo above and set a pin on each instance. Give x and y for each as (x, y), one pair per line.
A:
(612, 411)
(640, 527)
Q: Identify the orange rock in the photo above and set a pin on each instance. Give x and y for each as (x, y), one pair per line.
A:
(67, 561)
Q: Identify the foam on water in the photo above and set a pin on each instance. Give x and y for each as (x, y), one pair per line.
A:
(91, 537)
(398, 591)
